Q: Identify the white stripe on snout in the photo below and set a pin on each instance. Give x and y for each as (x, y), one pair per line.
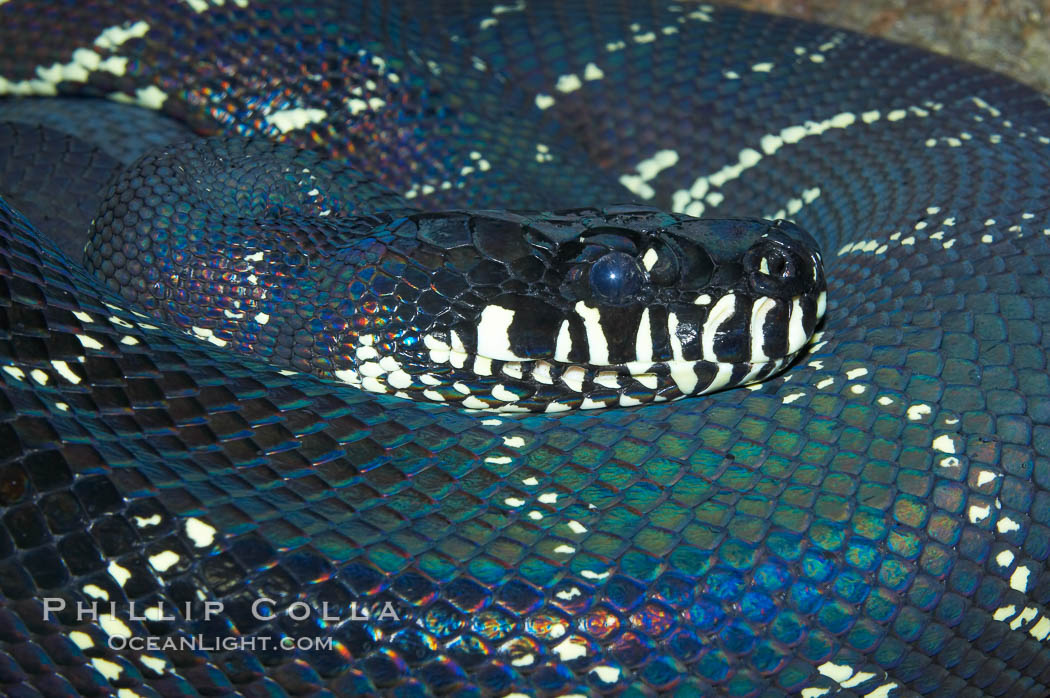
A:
(762, 307)
(597, 344)
(563, 345)
(722, 311)
(494, 333)
(643, 343)
(796, 333)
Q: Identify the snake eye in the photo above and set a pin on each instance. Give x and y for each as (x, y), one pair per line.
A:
(615, 278)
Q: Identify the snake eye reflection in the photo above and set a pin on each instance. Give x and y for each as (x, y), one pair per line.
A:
(616, 278)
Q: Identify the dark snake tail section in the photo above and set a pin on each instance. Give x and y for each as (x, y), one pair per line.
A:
(875, 522)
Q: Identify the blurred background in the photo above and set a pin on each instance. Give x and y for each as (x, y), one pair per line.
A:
(1011, 36)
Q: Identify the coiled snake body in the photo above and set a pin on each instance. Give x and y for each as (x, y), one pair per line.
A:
(871, 522)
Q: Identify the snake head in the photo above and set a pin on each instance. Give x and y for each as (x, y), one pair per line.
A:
(594, 308)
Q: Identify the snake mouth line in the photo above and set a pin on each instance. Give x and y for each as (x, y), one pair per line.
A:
(450, 372)
(480, 383)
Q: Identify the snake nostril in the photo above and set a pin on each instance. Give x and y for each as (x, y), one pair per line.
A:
(615, 278)
(777, 265)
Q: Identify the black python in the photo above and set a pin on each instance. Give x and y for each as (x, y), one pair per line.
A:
(493, 310)
(870, 523)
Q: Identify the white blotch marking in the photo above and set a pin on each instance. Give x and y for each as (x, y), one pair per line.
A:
(63, 370)
(857, 679)
(200, 533)
(39, 376)
(499, 460)
(1019, 579)
(577, 527)
(1026, 615)
(206, 334)
(109, 670)
(514, 502)
(609, 674)
(571, 648)
(1005, 558)
(120, 574)
(977, 513)
(293, 119)
(163, 561)
(788, 399)
(568, 594)
(82, 316)
(146, 521)
(96, 592)
(1006, 525)
(762, 67)
(129, 340)
(1041, 629)
(81, 639)
(568, 83)
(827, 382)
(856, 373)
(592, 72)
(944, 443)
(1004, 612)
(513, 441)
(647, 170)
(157, 665)
(262, 318)
(113, 626)
(150, 97)
(113, 37)
(882, 691)
(544, 101)
(565, 549)
(836, 672)
(985, 476)
(917, 412)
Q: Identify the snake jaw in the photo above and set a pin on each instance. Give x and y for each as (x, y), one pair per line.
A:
(755, 299)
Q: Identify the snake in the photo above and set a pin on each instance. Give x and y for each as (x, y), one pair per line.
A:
(204, 492)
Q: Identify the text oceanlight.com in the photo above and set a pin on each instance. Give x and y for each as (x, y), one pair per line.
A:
(110, 617)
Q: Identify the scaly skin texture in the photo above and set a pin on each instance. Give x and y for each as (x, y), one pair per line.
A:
(872, 522)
